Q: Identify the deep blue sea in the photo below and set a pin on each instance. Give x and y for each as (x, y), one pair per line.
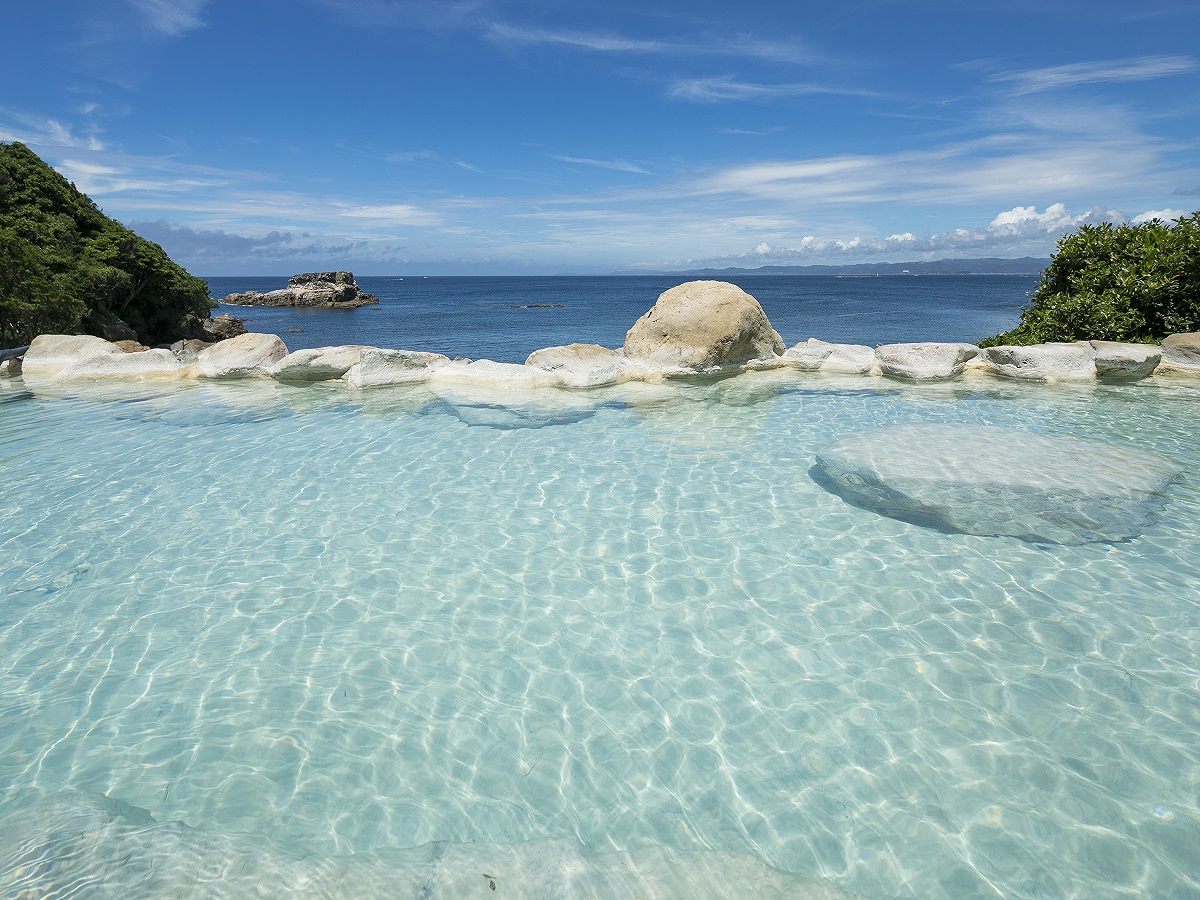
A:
(475, 316)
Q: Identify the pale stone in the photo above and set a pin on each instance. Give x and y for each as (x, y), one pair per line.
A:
(838, 359)
(583, 365)
(1114, 359)
(1043, 362)
(924, 361)
(488, 374)
(245, 356)
(703, 325)
(999, 481)
(318, 364)
(126, 364)
(10, 368)
(49, 354)
(1181, 354)
(377, 367)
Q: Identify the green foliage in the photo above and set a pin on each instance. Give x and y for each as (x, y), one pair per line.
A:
(65, 266)
(1108, 282)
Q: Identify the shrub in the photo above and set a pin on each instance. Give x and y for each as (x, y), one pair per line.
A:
(1108, 282)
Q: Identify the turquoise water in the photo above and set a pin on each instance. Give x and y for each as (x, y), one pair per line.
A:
(400, 644)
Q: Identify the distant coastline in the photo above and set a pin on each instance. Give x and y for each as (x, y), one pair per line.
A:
(1025, 265)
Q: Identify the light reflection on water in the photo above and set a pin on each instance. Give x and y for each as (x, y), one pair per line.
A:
(362, 622)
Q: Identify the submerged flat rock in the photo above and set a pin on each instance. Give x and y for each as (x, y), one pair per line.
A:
(999, 481)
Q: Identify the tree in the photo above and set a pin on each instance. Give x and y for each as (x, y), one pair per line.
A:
(1135, 283)
(66, 267)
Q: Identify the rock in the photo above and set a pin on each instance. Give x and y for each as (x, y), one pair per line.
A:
(130, 346)
(924, 361)
(319, 364)
(244, 356)
(189, 350)
(999, 481)
(222, 328)
(1043, 362)
(11, 367)
(841, 359)
(1128, 361)
(108, 325)
(327, 290)
(703, 325)
(1181, 354)
(378, 367)
(126, 364)
(583, 365)
(49, 354)
(485, 373)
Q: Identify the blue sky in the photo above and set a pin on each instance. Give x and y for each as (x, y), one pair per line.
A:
(483, 136)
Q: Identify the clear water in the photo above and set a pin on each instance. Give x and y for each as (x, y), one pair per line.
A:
(475, 316)
(398, 644)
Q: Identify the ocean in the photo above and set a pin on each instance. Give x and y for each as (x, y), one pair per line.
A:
(482, 317)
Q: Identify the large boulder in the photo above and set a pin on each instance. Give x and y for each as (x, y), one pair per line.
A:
(318, 364)
(583, 365)
(839, 359)
(245, 356)
(703, 325)
(377, 367)
(924, 361)
(1114, 359)
(49, 354)
(328, 290)
(1181, 354)
(1043, 362)
(999, 481)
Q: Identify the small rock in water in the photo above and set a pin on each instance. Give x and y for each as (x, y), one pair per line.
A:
(999, 481)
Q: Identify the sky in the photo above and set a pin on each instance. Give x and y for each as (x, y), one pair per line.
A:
(493, 137)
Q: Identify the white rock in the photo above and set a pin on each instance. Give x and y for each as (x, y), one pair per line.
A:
(10, 368)
(1043, 362)
(999, 481)
(584, 365)
(837, 359)
(318, 364)
(140, 364)
(703, 325)
(245, 356)
(1129, 361)
(377, 367)
(1181, 354)
(49, 354)
(495, 375)
(924, 361)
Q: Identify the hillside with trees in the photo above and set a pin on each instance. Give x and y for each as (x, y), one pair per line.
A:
(67, 268)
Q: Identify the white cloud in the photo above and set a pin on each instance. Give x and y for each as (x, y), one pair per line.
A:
(1032, 81)
(615, 165)
(744, 46)
(723, 89)
(1163, 215)
(391, 214)
(171, 17)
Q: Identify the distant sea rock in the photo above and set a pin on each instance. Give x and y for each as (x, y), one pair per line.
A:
(316, 290)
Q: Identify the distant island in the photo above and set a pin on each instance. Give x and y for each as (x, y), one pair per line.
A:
(318, 290)
(1025, 265)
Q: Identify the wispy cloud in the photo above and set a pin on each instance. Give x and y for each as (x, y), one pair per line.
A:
(391, 214)
(615, 165)
(171, 17)
(1144, 68)
(745, 46)
(725, 89)
(44, 131)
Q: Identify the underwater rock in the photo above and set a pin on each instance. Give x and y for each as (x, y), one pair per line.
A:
(703, 325)
(80, 846)
(244, 356)
(999, 481)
